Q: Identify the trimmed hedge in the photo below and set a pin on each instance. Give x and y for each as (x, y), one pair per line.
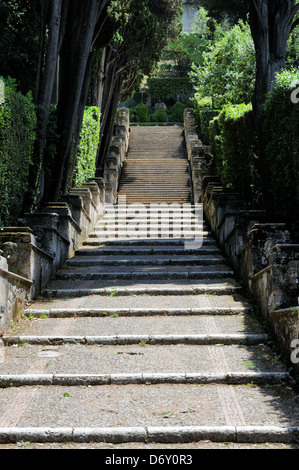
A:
(88, 146)
(17, 136)
(177, 112)
(266, 174)
(233, 148)
(280, 128)
(165, 89)
(204, 113)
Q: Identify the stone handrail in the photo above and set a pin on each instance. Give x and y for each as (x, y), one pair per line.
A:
(116, 155)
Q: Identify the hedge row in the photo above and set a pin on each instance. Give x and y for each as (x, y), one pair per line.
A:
(280, 128)
(165, 89)
(21, 160)
(204, 113)
(17, 136)
(266, 174)
(234, 149)
(143, 114)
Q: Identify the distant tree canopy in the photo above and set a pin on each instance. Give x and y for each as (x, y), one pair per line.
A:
(71, 53)
(271, 23)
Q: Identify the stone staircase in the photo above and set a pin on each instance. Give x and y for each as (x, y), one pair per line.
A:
(156, 168)
(140, 340)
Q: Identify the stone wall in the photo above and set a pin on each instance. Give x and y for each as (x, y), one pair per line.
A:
(261, 252)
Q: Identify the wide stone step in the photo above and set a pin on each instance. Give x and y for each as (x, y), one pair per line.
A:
(150, 435)
(154, 260)
(195, 339)
(152, 242)
(146, 273)
(75, 288)
(152, 413)
(139, 305)
(150, 325)
(121, 249)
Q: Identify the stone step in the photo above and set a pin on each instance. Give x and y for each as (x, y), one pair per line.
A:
(132, 312)
(149, 242)
(77, 380)
(144, 325)
(152, 413)
(150, 435)
(139, 305)
(133, 232)
(145, 274)
(145, 261)
(75, 288)
(195, 339)
(120, 248)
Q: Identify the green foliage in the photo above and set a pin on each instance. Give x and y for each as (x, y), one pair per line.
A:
(160, 115)
(88, 146)
(221, 9)
(280, 127)
(234, 148)
(19, 41)
(204, 113)
(228, 70)
(177, 112)
(142, 113)
(17, 136)
(165, 89)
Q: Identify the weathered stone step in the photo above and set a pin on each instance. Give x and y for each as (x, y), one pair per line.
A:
(210, 363)
(153, 242)
(166, 200)
(75, 288)
(153, 413)
(146, 274)
(150, 435)
(153, 260)
(151, 325)
(122, 250)
(132, 312)
(155, 224)
(75, 380)
(196, 339)
(132, 305)
(133, 232)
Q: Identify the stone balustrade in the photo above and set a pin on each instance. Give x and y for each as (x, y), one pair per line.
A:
(116, 156)
(260, 251)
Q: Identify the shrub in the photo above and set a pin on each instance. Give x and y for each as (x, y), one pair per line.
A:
(142, 113)
(228, 69)
(177, 112)
(88, 146)
(17, 136)
(160, 115)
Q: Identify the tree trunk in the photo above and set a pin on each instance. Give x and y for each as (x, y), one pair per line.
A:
(49, 73)
(75, 52)
(271, 24)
